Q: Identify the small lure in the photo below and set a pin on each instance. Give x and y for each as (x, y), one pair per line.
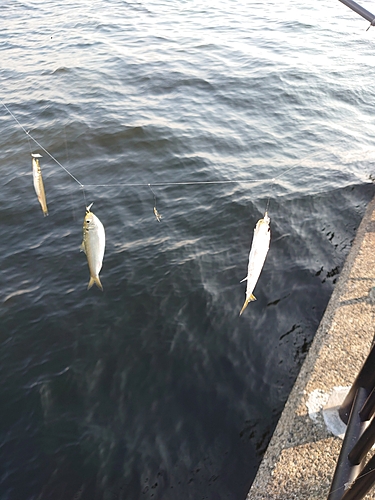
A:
(157, 215)
(93, 245)
(38, 183)
(257, 256)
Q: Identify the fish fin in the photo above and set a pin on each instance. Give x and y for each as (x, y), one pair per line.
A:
(243, 280)
(95, 280)
(246, 303)
(82, 247)
(88, 208)
(244, 306)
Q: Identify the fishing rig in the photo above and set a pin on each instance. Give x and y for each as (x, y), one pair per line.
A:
(39, 188)
(156, 213)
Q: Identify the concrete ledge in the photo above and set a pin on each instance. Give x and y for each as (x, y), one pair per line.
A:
(301, 458)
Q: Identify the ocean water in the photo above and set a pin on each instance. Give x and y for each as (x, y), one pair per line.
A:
(155, 388)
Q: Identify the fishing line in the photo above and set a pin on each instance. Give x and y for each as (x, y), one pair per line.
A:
(143, 184)
(197, 183)
(149, 185)
(283, 173)
(28, 140)
(156, 213)
(187, 183)
(29, 136)
(41, 147)
(268, 204)
(349, 484)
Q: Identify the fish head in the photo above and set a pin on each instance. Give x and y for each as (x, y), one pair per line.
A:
(35, 162)
(265, 222)
(89, 221)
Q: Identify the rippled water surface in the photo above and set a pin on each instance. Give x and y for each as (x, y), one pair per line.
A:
(156, 388)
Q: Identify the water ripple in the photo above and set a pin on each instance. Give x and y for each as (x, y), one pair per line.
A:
(155, 386)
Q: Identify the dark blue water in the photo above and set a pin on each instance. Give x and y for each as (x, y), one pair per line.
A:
(156, 388)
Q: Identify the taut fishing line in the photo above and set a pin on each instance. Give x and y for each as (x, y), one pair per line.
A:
(47, 152)
(143, 184)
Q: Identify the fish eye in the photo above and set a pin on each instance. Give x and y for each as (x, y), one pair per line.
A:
(88, 222)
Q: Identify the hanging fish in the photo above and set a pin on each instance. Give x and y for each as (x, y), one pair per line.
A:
(157, 215)
(257, 256)
(38, 183)
(93, 245)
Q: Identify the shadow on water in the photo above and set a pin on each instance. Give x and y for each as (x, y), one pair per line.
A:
(155, 388)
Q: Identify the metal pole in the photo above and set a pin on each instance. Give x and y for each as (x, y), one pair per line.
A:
(363, 483)
(345, 471)
(369, 407)
(360, 10)
(363, 445)
(366, 379)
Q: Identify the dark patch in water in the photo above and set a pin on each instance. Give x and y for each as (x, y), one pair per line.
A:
(294, 327)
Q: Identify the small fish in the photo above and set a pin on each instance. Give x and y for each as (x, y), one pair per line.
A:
(157, 215)
(38, 183)
(257, 256)
(93, 245)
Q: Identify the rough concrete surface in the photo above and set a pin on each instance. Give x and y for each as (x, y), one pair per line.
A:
(301, 458)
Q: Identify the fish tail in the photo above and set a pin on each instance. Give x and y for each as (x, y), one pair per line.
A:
(42, 200)
(244, 306)
(246, 303)
(97, 282)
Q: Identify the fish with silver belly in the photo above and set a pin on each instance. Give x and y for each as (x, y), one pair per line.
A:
(257, 256)
(38, 183)
(93, 245)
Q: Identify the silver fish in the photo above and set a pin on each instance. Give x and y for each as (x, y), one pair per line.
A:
(38, 183)
(93, 245)
(257, 256)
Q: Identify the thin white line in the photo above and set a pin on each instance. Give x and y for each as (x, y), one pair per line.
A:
(36, 142)
(142, 184)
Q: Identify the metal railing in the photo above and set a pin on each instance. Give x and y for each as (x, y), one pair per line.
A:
(352, 479)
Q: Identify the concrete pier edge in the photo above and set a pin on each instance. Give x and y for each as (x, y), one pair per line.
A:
(301, 457)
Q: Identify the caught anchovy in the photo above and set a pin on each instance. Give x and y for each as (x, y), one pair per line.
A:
(257, 256)
(93, 245)
(38, 183)
(157, 215)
